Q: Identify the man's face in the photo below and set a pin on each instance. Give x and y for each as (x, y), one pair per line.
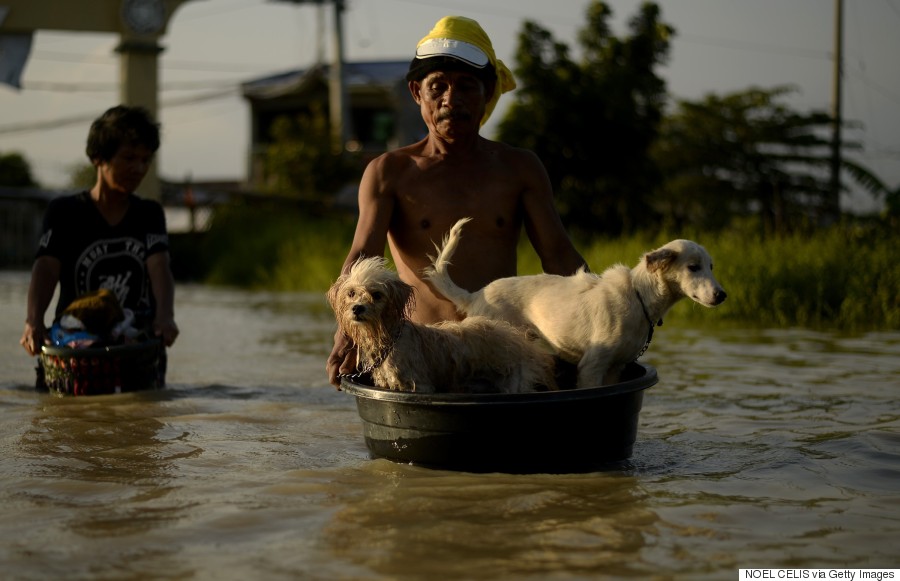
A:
(127, 168)
(452, 102)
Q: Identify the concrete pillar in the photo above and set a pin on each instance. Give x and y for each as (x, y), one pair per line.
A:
(140, 24)
(139, 86)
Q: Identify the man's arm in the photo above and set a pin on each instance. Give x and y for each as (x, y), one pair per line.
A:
(543, 225)
(376, 206)
(44, 276)
(162, 284)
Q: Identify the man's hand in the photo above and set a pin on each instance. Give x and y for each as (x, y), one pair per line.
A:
(33, 338)
(166, 329)
(342, 359)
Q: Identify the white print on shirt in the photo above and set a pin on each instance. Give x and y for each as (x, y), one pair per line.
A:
(45, 239)
(117, 284)
(154, 239)
(112, 264)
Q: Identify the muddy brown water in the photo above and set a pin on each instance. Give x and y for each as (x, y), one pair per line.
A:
(758, 448)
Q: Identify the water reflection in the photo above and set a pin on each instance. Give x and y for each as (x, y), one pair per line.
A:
(232, 337)
(109, 457)
(461, 526)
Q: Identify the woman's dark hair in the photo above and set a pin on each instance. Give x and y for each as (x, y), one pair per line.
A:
(121, 125)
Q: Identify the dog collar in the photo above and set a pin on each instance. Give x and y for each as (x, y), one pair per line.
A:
(650, 321)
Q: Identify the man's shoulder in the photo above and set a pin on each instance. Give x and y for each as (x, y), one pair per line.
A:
(418, 155)
(71, 198)
(512, 156)
(144, 203)
(392, 162)
(404, 153)
(147, 212)
(512, 149)
(69, 202)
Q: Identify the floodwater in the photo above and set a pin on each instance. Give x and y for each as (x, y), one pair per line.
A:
(757, 448)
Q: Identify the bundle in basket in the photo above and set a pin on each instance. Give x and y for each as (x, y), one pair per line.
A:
(102, 370)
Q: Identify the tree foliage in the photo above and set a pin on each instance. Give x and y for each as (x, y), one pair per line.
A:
(618, 163)
(300, 161)
(592, 122)
(748, 153)
(15, 171)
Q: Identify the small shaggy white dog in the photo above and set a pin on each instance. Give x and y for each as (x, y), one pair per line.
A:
(601, 323)
(371, 305)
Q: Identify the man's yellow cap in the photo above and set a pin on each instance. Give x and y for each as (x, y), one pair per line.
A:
(463, 39)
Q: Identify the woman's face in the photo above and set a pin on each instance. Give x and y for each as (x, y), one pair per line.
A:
(127, 168)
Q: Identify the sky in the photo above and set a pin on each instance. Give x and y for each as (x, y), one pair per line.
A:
(212, 46)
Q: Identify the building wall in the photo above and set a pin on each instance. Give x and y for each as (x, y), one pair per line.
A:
(383, 115)
(21, 217)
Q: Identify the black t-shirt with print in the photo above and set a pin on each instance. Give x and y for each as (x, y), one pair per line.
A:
(94, 255)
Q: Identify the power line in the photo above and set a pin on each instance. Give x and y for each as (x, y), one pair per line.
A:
(221, 9)
(81, 119)
(751, 46)
(85, 58)
(58, 87)
(482, 8)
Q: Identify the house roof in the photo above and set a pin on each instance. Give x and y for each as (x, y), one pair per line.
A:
(357, 74)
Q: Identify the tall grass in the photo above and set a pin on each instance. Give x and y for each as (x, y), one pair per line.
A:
(845, 277)
(275, 247)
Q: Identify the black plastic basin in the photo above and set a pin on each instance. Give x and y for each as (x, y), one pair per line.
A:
(576, 430)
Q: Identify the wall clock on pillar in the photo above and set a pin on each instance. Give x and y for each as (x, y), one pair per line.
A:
(144, 16)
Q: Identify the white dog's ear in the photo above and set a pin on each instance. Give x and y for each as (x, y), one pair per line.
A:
(660, 259)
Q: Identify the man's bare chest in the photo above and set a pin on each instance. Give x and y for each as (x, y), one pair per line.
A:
(462, 182)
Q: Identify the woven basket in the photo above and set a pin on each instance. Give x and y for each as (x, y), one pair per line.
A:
(102, 370)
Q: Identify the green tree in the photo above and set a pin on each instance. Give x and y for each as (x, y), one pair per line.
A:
(592, 122)
(15, 171)
(300, 161)
(748, 153)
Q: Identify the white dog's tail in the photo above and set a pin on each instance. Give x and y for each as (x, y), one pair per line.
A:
(437, 273)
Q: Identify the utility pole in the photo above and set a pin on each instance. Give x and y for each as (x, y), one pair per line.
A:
(339, 111)
(338, 107)
(320, 34)
(833, 205)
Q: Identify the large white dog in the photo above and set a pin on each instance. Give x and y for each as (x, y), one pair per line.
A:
(371, 305)
(599, 322)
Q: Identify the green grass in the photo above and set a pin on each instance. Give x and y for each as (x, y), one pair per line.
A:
(275, 248)
(845, 277)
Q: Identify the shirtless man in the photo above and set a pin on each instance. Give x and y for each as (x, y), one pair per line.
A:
(412, 196)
